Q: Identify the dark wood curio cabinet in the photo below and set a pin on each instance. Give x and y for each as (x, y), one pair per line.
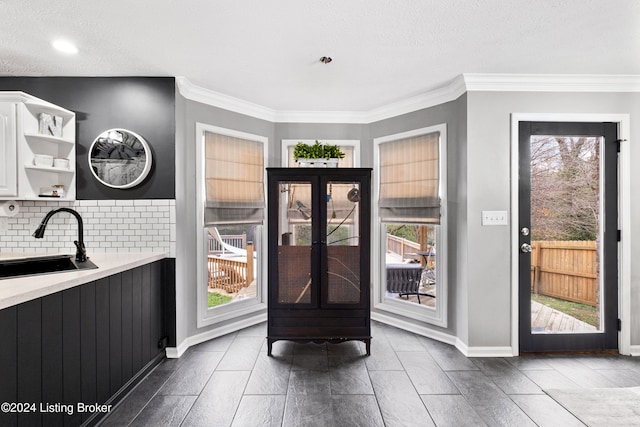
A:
(319, 255)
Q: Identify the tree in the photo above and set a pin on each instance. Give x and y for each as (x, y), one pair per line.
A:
(565, 187)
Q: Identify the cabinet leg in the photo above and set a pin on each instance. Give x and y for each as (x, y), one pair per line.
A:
(368, 346)
(269, 346)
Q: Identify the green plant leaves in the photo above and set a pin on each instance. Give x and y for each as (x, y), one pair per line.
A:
(316, 151)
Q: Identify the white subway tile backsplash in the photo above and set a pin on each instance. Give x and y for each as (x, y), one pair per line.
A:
(109, 226)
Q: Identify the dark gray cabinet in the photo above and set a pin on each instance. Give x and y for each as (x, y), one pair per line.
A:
(88, 344)
(319, 240)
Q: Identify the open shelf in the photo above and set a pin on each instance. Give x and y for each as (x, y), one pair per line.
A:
(48, 138)
(49, 169)
(30, 141)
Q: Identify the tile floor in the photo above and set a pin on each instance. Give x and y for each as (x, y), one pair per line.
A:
(408, 380)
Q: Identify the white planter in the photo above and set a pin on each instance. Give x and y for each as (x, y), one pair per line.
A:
(318, 163)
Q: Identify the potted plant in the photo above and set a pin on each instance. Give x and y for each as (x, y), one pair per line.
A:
(318, 155)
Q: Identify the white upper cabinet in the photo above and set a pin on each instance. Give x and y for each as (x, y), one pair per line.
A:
(8, 153)
(43, 140)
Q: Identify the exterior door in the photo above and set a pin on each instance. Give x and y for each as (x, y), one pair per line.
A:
(568, 236)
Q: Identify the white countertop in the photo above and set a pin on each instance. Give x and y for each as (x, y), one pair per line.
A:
(21, 289)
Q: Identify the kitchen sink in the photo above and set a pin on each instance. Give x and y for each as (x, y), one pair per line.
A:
(42, 265)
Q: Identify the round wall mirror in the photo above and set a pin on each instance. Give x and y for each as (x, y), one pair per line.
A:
(119, 158)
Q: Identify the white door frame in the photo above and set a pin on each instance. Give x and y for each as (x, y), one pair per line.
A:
(624, 217)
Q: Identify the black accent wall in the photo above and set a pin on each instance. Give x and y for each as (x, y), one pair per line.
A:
(144, 105)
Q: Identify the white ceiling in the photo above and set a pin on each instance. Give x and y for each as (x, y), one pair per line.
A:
(267, 52)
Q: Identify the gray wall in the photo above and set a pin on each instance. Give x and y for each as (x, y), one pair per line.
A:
(188, 113)
(479, 178)
(487, 270)
(454, 115)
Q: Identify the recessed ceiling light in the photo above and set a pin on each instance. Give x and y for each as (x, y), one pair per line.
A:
(65, 46)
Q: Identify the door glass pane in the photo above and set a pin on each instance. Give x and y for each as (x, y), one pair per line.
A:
(294, 243)
(565, 234)
(343, 242)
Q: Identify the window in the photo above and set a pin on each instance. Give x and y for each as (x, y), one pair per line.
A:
(231, 189)
(410, 205)
(350, 148)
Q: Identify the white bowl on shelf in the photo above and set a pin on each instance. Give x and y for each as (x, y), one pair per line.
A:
(59, 162)
(43, 160)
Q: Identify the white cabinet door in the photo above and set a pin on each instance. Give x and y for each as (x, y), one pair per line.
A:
(8, 160)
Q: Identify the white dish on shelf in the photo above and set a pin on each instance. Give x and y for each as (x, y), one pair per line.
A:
(43, 160)
(59, 162)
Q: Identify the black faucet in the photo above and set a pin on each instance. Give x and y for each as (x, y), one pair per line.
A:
(81, 252)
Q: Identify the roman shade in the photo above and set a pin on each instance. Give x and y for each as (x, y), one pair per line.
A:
(409, 179)
(234, 176)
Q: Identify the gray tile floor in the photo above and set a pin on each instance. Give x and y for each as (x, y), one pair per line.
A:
(408, 380)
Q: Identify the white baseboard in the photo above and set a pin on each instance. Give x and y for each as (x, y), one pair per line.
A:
(425, 331)
(505, 351)
(634, 350)
(176, 352)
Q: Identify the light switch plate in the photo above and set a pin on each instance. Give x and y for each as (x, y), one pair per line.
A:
(495, 218)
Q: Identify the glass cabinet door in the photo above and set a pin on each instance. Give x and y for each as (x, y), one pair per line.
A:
(317, 232)
(295, 243)
(341, 228)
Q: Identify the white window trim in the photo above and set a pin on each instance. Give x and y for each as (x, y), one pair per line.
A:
(355, 143)
(209, 316)
(437, 316)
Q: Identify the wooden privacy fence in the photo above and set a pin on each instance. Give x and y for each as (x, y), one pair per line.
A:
(566, 270)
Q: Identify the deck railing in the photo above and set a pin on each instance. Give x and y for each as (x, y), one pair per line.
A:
(231, 274)
(402, 247)
(237, 240)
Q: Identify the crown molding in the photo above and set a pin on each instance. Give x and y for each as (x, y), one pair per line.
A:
(353, 117)
(449, 92)
(437, 96)
(226, 102)
(551, 82)
(468, 82)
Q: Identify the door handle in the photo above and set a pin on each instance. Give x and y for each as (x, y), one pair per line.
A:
(525, 248)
